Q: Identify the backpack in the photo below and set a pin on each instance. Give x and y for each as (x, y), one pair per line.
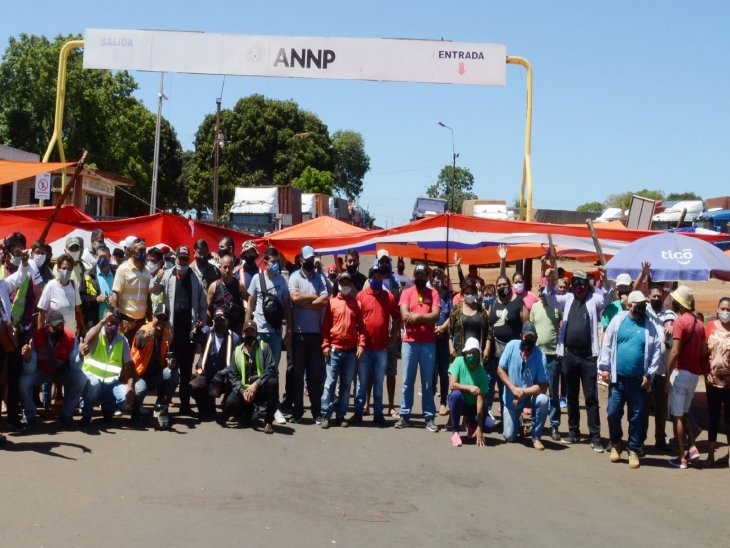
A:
(272, 307)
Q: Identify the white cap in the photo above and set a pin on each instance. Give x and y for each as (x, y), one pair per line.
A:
(624, 279)
(128, 242)
(636, 297)
(471, 344)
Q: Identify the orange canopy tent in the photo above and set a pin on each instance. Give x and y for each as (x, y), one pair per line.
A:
(11, 170)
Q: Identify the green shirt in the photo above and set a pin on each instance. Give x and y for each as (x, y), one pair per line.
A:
(464, 375)
(609, 312)
(547, 324)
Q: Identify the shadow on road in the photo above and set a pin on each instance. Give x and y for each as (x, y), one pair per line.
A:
(43, 447)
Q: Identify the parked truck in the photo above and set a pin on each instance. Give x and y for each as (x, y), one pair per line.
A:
(261, 210)
(488, 209)
(428, 207)
(314, 205)
(717, 220)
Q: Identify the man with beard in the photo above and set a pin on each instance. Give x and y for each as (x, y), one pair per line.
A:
(206, 271)
(352, 265)
(629, 358)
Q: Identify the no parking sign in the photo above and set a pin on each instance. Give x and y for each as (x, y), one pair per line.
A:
(43, 186)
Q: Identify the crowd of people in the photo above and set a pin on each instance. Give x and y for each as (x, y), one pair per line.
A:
(102, 329)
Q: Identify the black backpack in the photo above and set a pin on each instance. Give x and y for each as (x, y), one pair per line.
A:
(272, 307)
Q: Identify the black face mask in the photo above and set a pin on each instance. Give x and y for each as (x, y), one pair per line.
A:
(504, 291)
(221, 328)
(56, 335)
(384, 269)
(675, 307)
(223, 252)
(623, 294)
(308, 266)
(656, 305)
(249, 340)
(527, 345)
(201, 260)
(250, 261)
(639, 310)
(352, 268)
(419, 283)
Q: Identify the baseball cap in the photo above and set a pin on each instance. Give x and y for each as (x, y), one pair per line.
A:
(161, 310)
(74, 241)
(54, 318)
(344, 276)
(382, 253)
(249, 245)
(528, 328)
(420, 269)
(580, 274)
(183, 251)
(471, 344)
(250, 324)
(636, 297)
(307, 252)
(622, 279)
(683, 295)
(128, 241)
(374, 270)
(219, 313)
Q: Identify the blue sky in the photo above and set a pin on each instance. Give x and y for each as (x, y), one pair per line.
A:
(627, 95)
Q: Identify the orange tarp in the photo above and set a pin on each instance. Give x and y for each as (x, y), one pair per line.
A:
(11, 170)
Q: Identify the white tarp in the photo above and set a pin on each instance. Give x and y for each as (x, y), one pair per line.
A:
(255, 200)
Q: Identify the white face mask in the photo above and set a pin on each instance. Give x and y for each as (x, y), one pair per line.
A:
(15, 260)
(518, 287)
(470, 299)
(346, 290)
(63, 275)
(153, 268)
(39, 260)
(75, 254)
(723, 315)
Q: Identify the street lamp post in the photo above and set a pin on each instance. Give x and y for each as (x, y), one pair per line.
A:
(450, 207)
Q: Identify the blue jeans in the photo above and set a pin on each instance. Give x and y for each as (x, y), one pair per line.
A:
(73, 381)
(372, 366)
(341, 364)
(626, 390)
(414, 354)
(552, 370)
(112, 396)
(164, 382)
(512, 412)
(457, 408)
(274, 342)
(441, 373)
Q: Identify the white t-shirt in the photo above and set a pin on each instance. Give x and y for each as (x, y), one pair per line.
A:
(65, 299)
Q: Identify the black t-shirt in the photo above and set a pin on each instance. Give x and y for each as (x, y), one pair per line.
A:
(578, 330)
(506, 319)
(472, 326)
(154, 366)
(183, 305)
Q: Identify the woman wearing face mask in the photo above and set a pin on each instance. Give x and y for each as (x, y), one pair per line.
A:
(62, 294)
(42, 259)
(717, 380)
(506, 316)
(518, 286)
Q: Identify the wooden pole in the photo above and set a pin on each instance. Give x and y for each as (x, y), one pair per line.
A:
(64, 194)
(599, 250)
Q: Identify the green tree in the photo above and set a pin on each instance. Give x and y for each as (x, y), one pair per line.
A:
(454, 186)
(314, 180)
(680, 196)
(267, 142)
(590, 207)
(351, 163)
(623, 200)
(101, 116)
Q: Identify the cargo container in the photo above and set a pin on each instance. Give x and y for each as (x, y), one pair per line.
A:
(261, 210)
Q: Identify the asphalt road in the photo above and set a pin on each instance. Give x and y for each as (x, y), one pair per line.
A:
(203, 485)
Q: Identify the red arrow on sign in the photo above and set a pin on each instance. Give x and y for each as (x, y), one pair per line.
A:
(461, 69)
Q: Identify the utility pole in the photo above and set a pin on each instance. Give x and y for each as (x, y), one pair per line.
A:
(216, 156)
(156, 155)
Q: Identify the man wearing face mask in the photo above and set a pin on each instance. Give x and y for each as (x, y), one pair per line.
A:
(225, 247)
(352, 265)
(211, 373)
(254, 380)
(403, 278)
(96, 239)
(343, 343)
(152, 368)
(522, 370)
(106, 360)
(131, 288)
(248, 269)
(227, 293)
(332, 275)
(206, 271)
(186, 300)
(97, 287)
(51, 355)
(74, 247)
(629, 359)
(656, 398)
(624, 285)
(578, 347)
(309, 298)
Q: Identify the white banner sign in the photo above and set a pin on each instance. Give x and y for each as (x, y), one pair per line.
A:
(393, 60)
(43, 186)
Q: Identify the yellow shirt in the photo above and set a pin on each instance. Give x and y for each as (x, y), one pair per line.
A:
(133, 287)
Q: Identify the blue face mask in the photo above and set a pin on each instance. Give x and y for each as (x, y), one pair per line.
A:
(376, 285)
(111, 331)
(140, 256)
(487, 301)
(102, 263)
(274, 268)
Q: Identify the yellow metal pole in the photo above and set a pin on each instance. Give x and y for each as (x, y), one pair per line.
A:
(67, 48)
(526, 213)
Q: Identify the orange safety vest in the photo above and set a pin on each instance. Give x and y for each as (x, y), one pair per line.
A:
(141, 356)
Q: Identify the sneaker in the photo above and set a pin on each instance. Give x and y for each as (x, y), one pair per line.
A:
(402, 422)
(324, 422)
(456, 439)
(693, 453)
(431, 426)
(563, 403)
(318, 420)
(537, 444)
(634, 459)
(343, 422)
(380, 420)
(355, 419)
(295, 420)
(489, 422)
(85, 421)
(268, 428)
(554, 434)
(571, 438)
(616, 452)
(597, 446)
(279, 417)
(678, 463)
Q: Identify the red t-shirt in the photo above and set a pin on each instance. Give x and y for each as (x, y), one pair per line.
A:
(421, 302)
(377, 311)
(691, 332)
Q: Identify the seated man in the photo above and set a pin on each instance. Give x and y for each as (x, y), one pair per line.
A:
(468, 385)
(154, 366)
(254, 378)
(51, 355)
(209, 376)
(106, 360)
(522, 370)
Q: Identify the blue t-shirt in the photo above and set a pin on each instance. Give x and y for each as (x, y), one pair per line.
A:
(307, 320)
(630, 346)
(522, 374)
